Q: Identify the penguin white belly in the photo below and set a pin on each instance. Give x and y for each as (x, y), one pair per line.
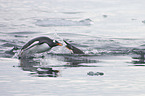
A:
(39, 48)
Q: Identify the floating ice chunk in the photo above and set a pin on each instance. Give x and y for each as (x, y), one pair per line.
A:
(143, 21)
(62, 22)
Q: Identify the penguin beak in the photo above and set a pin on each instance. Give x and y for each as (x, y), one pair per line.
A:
(69, 49)
(59, 44)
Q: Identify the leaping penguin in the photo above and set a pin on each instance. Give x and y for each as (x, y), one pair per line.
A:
(39, 45)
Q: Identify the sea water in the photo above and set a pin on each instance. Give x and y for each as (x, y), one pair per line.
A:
(110, 33)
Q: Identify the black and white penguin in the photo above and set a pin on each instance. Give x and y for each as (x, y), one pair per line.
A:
(73, 48)
(39, 45)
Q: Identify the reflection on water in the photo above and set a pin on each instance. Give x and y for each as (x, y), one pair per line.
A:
(42, 66)
(32, 66)
(73, 59)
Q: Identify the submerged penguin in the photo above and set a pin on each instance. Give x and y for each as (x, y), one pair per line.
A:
(39, 45)
(73, 48)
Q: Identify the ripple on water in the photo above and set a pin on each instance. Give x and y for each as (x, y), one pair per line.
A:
(23, 32)
(8, 45)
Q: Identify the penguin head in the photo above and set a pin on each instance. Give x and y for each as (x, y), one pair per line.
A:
(73, 49)
(69, 46)
(55, 43)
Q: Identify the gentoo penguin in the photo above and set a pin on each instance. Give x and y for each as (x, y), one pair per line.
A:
(73, 48)
(39, 45)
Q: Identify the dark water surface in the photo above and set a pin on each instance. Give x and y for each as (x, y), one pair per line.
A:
(110, 33)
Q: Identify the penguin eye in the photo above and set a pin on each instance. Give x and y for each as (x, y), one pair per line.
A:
(54, 41)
